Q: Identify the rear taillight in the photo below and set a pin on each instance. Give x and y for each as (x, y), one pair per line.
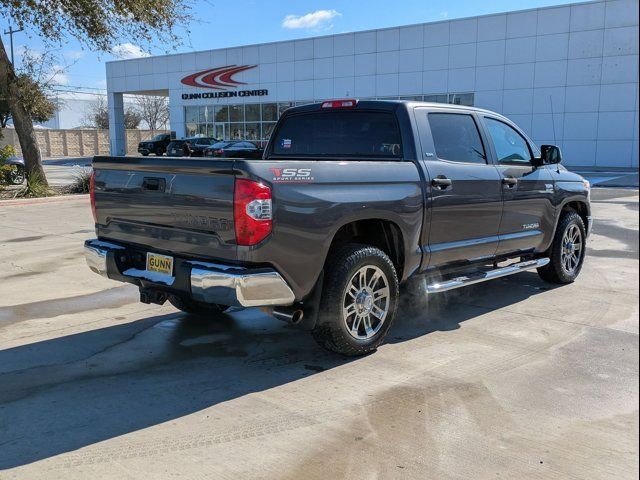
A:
(347, 103)
(218, 152)
(251, 212)
(92, 195)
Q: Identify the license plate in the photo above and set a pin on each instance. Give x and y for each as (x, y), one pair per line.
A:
(159, 263)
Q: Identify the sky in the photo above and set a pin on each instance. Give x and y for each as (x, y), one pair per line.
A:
(226, 23)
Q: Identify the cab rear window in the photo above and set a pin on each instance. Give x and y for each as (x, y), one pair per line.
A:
(333, 134)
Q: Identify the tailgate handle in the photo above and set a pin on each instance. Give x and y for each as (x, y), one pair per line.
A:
(154, 184)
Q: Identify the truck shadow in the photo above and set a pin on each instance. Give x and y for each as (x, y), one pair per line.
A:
(62, 394)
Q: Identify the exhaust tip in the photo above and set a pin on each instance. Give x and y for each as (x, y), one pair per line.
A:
(296, 316)
(290, 316)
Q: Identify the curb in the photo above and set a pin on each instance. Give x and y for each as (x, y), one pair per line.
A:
(35, 201)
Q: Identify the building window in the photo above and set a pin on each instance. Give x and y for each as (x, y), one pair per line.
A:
(453, 98)
(443, 98)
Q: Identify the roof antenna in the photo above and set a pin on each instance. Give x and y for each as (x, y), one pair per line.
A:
(553, 125)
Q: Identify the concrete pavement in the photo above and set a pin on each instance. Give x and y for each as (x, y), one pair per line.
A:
(510, 379)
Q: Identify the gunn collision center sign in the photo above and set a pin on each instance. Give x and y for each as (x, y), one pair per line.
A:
(220, 79)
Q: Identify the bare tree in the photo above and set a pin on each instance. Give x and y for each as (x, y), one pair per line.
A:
(154, 110)
(97, 115)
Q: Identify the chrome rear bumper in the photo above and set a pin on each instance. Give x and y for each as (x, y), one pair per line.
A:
(210, 284)
(207, 282)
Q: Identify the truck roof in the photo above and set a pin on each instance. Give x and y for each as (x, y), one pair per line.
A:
(392, 105)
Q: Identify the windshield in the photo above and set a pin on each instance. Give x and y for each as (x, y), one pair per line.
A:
(339, 133)
(159, 138)
(221, 144)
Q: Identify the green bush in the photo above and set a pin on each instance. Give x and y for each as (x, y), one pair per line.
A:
(5, 170)
(6, 152)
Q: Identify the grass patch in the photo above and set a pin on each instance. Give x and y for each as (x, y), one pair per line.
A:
(34, 187)
(81, 179)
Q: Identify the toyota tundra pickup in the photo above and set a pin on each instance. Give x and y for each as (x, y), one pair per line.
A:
(350, 200)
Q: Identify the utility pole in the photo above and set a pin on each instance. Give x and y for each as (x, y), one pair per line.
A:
(10, 33)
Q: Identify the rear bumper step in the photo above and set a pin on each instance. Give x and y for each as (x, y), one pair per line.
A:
(203, 281)
(463, 281)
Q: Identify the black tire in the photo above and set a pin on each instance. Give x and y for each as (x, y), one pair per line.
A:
(159, 152)
(188, 305)
(332, 330)
(144, 154)
(556, 271)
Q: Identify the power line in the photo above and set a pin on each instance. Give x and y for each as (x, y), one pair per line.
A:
(81, 92)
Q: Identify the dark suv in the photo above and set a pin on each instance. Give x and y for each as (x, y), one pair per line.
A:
(157, 145)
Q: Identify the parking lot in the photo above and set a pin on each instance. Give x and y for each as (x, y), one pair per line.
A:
(509, 379)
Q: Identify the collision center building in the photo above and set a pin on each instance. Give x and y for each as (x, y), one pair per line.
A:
(567, 75)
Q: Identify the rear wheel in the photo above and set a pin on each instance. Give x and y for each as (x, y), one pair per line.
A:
(188, 305)
(358, 302)
(567, 251)
(159, 152)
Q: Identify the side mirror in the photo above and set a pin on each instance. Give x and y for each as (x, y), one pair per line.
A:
(549, 155)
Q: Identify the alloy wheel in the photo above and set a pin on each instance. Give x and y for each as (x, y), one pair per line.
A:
(572, 245)
(366, 302)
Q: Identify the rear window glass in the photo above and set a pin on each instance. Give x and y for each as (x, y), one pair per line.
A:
(456, 138)
(221, 144)
(339, 134)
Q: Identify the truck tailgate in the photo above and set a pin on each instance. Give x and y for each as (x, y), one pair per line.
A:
(182, 206)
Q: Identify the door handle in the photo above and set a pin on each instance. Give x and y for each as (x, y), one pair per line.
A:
(510, 182)
(441, 182)
(153, 184)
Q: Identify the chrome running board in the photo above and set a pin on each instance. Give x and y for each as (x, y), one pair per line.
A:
(463, 281)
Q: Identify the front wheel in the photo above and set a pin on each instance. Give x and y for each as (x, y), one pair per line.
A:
(567, 251)
(358, 303)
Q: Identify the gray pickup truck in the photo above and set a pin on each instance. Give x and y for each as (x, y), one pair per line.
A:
(350, 200)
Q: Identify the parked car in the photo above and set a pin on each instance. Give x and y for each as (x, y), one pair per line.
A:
(157, 145)
(190, 147)
(234, 149)
(350, 200)
(14, 170)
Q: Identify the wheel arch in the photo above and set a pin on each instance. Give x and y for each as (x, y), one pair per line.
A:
(376, 232)
(580, 206)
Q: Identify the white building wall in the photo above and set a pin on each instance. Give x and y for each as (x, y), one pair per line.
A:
(567, 75)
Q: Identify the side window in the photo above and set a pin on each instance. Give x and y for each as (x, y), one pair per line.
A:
(456, 138)
(510, 147)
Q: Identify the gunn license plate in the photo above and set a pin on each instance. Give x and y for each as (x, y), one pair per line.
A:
(159, 263)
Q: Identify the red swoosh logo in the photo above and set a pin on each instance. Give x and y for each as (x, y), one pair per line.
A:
(219, 78)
